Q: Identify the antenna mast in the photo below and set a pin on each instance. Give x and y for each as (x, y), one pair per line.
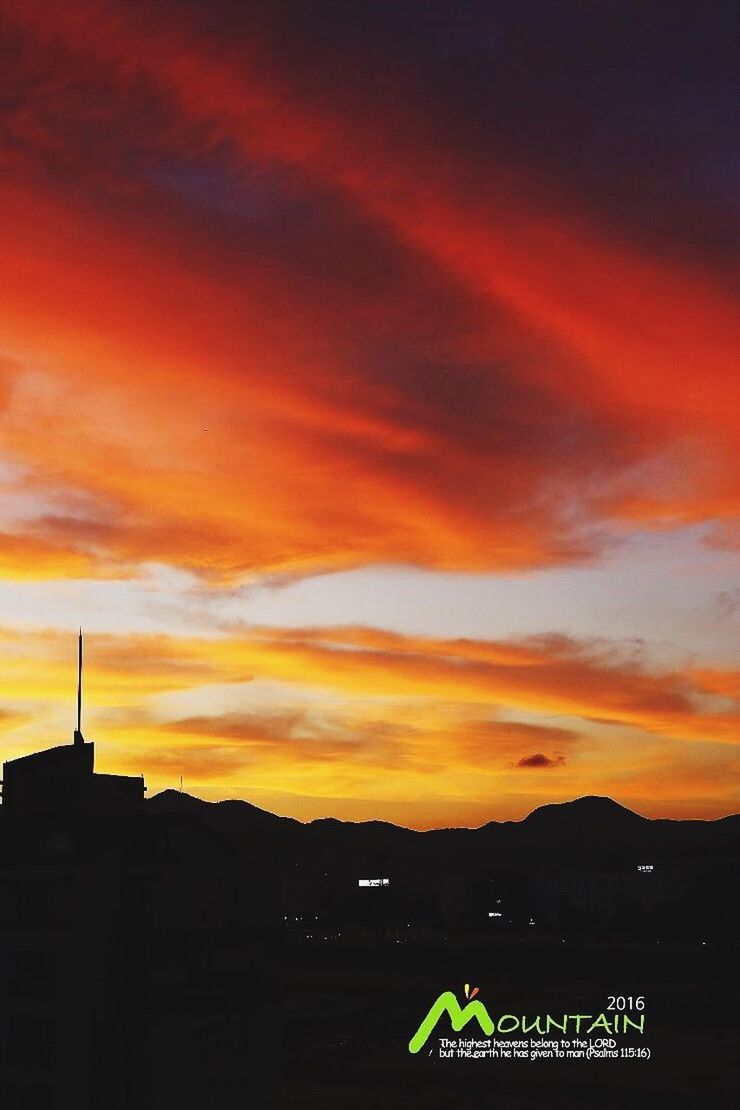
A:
(78, 730)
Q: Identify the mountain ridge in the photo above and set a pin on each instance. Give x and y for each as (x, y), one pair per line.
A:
(574, 811)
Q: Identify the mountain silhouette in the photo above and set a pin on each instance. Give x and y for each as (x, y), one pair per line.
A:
(233, 810)
(242, 823)
(591, 815)
(588, 816)
(593, 829)
(591, 807)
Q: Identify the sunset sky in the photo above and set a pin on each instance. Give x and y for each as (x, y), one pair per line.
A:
(368, 393)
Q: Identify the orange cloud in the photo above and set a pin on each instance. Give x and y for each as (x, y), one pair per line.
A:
(10, 718)
(725, 683)
(550, 675)
(458, 370)
(30, 557)
(546, 675)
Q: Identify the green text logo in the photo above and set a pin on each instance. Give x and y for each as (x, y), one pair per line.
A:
(459, 1018)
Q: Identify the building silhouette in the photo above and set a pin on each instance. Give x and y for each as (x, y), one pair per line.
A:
(61, 781)
(137, 966)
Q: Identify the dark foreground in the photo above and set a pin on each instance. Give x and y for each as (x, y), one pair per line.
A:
(223, 959)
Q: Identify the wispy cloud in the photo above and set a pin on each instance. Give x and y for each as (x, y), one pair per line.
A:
(489, 376)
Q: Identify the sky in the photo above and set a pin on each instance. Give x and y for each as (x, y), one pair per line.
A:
(367, 393)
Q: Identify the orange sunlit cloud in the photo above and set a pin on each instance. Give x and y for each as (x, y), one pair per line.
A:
(220, 388)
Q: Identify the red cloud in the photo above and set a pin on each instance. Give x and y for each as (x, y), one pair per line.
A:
(274, 330)
(539, 760)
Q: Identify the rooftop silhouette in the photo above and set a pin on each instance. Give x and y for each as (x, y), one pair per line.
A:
(62, 782)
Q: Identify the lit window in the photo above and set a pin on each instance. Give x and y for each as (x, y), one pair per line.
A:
(373, 882)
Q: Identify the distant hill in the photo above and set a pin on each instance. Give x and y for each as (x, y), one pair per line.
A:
(587, 810)
(584, 827)
(235, 819)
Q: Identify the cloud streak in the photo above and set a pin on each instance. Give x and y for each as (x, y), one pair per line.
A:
(491, 378)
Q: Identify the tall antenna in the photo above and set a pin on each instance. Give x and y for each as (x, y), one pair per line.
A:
(78, 730)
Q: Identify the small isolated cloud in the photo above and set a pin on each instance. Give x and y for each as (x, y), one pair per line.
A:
(541, 760)
(10, 718)
(726, 604)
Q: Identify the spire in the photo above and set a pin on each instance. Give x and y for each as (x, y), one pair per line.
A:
(78, 731)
